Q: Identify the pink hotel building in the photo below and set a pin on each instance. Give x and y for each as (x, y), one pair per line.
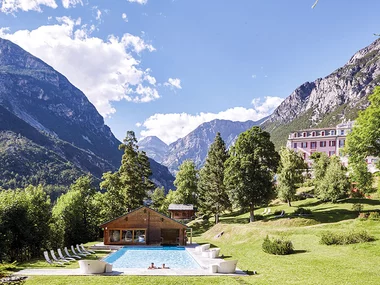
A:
(328, 140)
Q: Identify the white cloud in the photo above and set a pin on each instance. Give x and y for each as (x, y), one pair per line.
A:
(174, 83)
(98, 14)
(254, 76)
(11, 6)
(105, 70)
(71, 3)
(170, 127)
(139, 1)
(124, 17)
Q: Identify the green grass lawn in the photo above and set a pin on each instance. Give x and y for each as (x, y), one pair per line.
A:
(312, 262)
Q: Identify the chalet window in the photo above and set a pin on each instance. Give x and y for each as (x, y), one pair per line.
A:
(114, 235)
(322, 144)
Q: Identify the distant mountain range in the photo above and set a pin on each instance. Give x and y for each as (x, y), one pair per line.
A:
(330, 100)
(49, 129)
(195, 145)
(321, 103)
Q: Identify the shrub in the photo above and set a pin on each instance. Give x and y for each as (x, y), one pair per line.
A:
(330, 238)
(374, 216)
(357, 207)
(302, 211)
(277, 246)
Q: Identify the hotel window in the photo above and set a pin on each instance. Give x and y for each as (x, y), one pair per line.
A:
(331, 153)
(313, 145)
(295, 145)
(322, 144)
(304, 144)
(331, 143)
(295, 135)
(304, 134)
(313, 134)
(322, 133)
(341, 143)
(342, 132)
(332, 132)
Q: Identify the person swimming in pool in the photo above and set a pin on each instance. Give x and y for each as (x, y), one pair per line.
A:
(152, 266)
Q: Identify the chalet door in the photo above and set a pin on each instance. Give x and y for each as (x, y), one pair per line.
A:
(170, 236)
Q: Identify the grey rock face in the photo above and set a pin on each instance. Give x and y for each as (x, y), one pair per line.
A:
(195, 145)
(154, 148)
(44, 99)
(347, 85)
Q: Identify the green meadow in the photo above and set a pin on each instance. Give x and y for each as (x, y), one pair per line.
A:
(311, 263)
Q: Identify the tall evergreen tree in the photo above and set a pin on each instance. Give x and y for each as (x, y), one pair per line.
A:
(290, 173)
(186, 182)
(250, 169)
(127, 187)
(213, 196)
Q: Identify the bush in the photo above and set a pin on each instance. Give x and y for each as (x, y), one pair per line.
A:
(302, 211)
(374, 216)
(357, 207)
(277, 246)
(330, 238)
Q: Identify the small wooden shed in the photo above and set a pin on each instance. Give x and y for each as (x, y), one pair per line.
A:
(181, 211)
(144, 226)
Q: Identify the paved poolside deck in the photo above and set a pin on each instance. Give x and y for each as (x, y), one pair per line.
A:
(204, 262)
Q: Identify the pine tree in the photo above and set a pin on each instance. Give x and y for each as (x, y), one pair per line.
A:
(127, 187)
(158, 198)
(186, 182)
(213, 196)
(290, 173)
(250, 169)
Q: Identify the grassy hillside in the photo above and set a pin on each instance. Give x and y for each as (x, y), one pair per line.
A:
(312, 262)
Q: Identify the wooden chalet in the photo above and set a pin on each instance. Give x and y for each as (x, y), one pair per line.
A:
(181, 211)
(144, 226)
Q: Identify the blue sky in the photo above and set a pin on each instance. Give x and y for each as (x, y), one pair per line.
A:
(166, 66)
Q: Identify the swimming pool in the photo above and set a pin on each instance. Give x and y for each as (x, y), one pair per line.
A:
(142, 257)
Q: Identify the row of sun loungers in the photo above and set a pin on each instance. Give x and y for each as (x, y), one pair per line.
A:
(66, 258)
(222, 266)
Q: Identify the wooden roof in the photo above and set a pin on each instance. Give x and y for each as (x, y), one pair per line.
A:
(138, 209)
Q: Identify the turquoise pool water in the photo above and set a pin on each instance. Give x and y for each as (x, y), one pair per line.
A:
(142, 257)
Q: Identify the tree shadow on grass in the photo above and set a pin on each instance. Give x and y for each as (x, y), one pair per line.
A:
(297, 251)
(333, 216)
(235, 221)
(360, 201)
(306, 205)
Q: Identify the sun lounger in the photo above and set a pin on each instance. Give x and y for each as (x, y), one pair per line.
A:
(48, 260)
(57, 259)
(79, 253)
(69, 255)
(265, 211)
(203, 247)
(94, 266)
(228, 266)
(64, 257)
(82, 251)
(86, 250)
(280, 215)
